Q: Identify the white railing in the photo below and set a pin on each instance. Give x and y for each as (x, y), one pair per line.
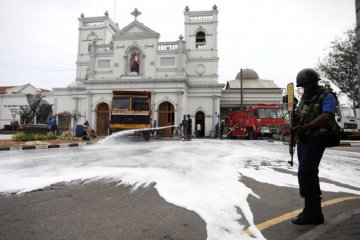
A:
(104, 48)
(94, 24)
(200, 45)
(200, 18)
(167, 46)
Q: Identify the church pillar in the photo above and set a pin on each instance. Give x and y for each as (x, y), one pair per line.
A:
(92, 54)
(216, 109)
(75, 112)
(180, 57)
(126, 65)
(153, 107)
(89, 115)
(179, 109)
(142, 64)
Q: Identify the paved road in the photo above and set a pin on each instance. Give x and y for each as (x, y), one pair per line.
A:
(274, 202)
(107, 210)
(348, 149)
(96, 211)
(100, 210)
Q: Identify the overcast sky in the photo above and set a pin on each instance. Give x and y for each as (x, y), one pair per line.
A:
(276, 38)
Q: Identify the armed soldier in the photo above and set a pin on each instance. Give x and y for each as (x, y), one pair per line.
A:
(315, 117)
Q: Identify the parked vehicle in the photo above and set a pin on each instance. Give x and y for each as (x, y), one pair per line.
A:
(345, 118)
(131, 110)
(260, 120)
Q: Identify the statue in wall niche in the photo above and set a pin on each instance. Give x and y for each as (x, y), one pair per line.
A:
(134, 62)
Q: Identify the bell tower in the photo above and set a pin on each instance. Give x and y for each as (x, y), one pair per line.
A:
(201, 45)
(94, 33)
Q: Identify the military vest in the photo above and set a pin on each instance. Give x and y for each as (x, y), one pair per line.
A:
(310, 109)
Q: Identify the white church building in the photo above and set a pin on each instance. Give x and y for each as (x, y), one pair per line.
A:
(181, 75)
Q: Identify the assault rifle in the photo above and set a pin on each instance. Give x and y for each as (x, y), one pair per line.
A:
(291, 109)
(291, 137)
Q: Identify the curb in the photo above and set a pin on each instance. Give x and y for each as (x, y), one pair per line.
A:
(344, 144)
(316, 232)
(31, 147)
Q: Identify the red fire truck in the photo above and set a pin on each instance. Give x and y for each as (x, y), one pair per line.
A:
(259, 120)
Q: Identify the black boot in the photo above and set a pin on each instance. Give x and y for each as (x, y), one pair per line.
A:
(311, 214)
(304, 217)
(317, 216)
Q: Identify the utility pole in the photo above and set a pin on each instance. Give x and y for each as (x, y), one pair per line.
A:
(357, 32)
(241, 90)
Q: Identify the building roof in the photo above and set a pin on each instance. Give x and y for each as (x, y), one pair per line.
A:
(4, 88)
(136, 30)
(20, 88)
(250, 79)
(247, 74)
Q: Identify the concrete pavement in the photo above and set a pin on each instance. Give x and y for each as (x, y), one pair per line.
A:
(345, 226)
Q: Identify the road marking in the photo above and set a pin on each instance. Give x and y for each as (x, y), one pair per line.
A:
(290, 215)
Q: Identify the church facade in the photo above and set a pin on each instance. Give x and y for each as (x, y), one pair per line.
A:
(181, 75)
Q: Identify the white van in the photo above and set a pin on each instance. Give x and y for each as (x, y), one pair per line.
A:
(346, 119)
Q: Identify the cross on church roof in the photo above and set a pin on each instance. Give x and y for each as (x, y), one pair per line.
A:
(136, 13)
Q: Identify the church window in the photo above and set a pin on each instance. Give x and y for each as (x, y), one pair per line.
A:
(92, 36)
(104, 64)
(200, 40)
(121, 103)
(167, 61)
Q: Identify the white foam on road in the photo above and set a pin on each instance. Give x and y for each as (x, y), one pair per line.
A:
(200, 175)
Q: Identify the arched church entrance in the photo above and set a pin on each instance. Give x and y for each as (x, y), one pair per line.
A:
(102, 119)
(166, 118)
(200, 119)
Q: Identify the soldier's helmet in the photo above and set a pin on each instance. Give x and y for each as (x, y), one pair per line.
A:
(307, 75)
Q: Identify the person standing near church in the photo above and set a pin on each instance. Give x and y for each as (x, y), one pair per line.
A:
(86, 131)
(222, 128)
(315, 116)
(198, 130)
(154, 131)
(54, 126)
(189, 127)
(183, 126)
(217, 127)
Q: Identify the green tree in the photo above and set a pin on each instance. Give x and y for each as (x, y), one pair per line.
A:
(340, 65)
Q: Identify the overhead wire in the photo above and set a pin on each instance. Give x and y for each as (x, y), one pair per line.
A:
(12, 66)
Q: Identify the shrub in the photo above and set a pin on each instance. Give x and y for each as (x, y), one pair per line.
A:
(40, 137)
(19, 137)
(30, 137)
(50, 136)
(33, 137)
